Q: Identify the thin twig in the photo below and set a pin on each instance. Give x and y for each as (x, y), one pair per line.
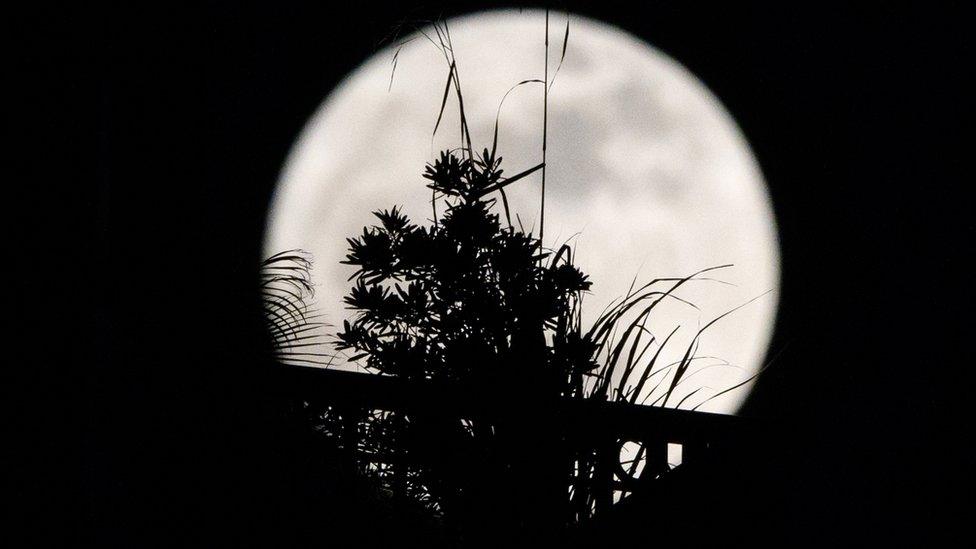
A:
(545, 126)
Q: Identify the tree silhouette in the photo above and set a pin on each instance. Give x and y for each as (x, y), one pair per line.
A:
(471, 301)
(467, 296)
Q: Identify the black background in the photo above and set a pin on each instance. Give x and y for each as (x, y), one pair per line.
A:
(184, 117)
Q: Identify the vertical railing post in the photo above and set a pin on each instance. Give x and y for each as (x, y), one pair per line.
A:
(656, 450)
(692, 450)
(607, 458)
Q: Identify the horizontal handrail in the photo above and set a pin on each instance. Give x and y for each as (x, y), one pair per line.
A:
(584, 418)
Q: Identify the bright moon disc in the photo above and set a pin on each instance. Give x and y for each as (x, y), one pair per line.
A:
(647, 175)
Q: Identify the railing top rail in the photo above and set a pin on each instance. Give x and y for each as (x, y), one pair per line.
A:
(585, 417)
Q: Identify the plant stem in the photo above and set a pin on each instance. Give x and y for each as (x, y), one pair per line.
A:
(545, 125)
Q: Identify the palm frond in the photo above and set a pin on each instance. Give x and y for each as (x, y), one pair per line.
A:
(286, 292)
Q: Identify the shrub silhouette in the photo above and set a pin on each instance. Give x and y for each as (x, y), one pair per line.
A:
(457, 300)
(472, 301)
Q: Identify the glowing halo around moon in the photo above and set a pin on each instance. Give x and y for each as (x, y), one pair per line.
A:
(648, 175)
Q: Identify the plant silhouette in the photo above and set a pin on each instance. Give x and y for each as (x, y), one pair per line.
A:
(472, 301)
(468, 301)
(460, 299)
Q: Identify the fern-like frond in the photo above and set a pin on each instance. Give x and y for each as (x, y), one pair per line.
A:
(287, 293)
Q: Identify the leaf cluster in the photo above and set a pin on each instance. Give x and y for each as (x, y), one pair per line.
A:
(459, 299)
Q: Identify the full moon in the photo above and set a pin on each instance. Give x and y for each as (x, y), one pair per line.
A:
(648, 175)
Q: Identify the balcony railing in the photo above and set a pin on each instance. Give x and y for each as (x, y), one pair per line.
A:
(598, 429)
